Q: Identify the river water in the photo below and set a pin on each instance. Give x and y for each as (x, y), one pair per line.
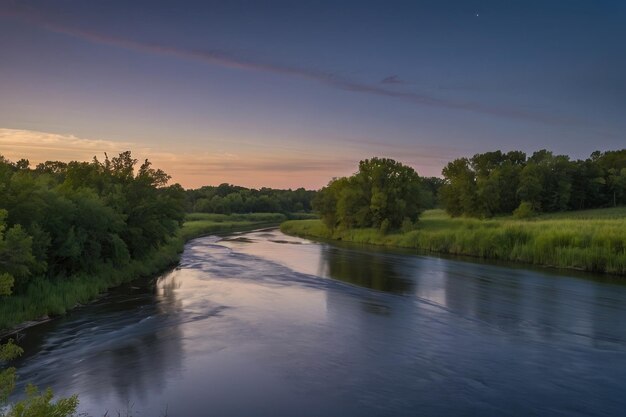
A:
(263, 324)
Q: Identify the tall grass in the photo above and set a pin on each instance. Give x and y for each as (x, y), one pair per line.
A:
(55, 297)
(249, 217)
(594, 240)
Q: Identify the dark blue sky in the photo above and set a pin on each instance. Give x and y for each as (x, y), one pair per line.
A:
(293, 93)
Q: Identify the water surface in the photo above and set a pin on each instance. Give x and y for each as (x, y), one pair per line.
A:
(263, 324)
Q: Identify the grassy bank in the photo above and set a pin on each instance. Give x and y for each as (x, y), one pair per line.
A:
(55, 297)
(591, 240)
(200, 224)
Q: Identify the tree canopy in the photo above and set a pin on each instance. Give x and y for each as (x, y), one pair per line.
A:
(60, 219)
(495, 183)
(382, 194)
(229, 199)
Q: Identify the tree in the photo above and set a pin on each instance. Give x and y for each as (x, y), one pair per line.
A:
(16, 258)
(459, 193)
(383, 191)
(496, 183)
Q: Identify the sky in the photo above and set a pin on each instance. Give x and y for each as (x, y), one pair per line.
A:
(294, 93)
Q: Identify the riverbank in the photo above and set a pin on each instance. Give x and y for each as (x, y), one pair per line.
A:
(591, 240)
(46, 298)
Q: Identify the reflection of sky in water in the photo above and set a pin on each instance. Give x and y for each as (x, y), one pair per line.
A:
(247, 327)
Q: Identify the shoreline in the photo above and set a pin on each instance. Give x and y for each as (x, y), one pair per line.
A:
(492, 240)
(170, 252)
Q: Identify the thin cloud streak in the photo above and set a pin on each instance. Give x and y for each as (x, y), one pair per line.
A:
(226, 60)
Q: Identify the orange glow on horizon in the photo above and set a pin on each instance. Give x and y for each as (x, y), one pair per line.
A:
(194, 168)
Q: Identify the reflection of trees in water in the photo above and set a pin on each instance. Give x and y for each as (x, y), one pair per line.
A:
(365, 269)
(511, 300)
(141, 364)
(168, 302)
(126, 347)
(499, 300)
(540, 305)
(609, 315)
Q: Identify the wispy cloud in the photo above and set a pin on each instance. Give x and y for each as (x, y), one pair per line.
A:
(14, 143)
(224, 59)
(392, 79)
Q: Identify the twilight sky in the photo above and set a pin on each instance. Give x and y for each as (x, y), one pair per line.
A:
(290, 94)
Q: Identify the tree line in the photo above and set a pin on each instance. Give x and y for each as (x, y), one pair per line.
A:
(59, 219)
(497, 183)
(229, 199)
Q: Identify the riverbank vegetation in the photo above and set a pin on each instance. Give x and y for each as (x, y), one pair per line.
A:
(590, 240)
(497, 206)
(497, 183)
(70, 230)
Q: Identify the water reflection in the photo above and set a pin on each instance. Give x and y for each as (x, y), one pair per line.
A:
(370, 270)
(266, 324)
(119, 350)
(538, 304)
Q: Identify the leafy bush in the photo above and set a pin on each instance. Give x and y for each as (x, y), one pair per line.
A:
(524, 211)
(36, 404)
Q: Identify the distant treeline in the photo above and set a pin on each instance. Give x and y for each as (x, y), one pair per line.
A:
(227, 199)
(496, 183)
(61, 219)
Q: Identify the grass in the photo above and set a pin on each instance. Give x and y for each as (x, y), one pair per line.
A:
(56, 297)
(249, 217)
(200, 224)
(590, 240)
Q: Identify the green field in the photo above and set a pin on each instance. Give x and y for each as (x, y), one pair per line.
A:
(590, 240)
(56, 297)
(200, 224)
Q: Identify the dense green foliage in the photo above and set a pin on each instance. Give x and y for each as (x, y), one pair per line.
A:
(383, 194)
(60, 220)
(495, 183)
(51, 297)
(227, 199)
(431, 187)
(591, 240)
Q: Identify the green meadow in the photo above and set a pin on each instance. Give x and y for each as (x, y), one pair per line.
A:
(589, 240)
(200, 224)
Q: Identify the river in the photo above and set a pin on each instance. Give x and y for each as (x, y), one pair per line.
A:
(263, 324)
